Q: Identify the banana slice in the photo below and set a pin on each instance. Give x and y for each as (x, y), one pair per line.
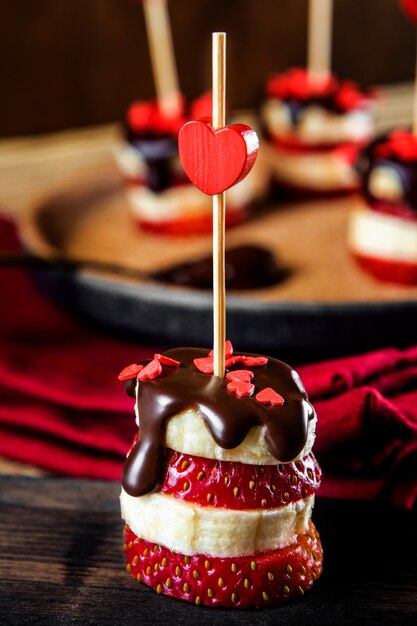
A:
(192, 529)
(187, 433)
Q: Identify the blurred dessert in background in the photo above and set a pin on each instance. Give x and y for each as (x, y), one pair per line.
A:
(160, 195)
(383, 225)
(316, 128)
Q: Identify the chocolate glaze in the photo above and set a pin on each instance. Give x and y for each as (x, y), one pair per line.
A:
(247, 267)
(228, 418)
(406, 171)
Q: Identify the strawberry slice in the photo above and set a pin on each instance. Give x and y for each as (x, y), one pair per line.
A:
(235, 485)
(200, 223)
(131, 371)
(264, 579)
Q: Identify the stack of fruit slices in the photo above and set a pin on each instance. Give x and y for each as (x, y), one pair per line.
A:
(383, 224)
(225, 526)
(315, 131)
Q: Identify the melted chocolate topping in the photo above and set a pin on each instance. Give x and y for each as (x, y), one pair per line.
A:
(247, 267)
(227, 417)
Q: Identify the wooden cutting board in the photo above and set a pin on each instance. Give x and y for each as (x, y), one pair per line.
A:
(61, 563)
(92, 223)
(326, 305)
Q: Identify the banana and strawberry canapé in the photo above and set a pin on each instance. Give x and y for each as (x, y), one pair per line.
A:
(315, 130)
(383, 224)
(218, 488)
(160, 195)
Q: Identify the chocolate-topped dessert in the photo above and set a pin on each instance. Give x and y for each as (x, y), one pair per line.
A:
(315, 130)
(218, 487)
(160, 195)
(383, 225)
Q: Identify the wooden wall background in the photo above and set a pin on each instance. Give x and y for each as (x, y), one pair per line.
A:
(69, 63)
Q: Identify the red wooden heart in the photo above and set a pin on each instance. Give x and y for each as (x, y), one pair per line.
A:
(215, 160)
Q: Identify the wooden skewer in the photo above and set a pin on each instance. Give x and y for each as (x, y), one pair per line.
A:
(219, 208)
(414, 122)
(320, 38)
(162, 57)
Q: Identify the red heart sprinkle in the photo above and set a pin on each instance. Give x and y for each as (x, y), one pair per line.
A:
(228, 350)
(253, 361)
(215, 160)
(244, 376)
(205, 365)
(165, 360)
(150, 371)
(240, 389)
(269, 396)
(130, 371)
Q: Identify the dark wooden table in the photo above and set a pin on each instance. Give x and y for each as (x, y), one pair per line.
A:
(61, 563)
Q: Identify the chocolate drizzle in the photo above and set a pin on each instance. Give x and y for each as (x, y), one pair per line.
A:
(228, 418)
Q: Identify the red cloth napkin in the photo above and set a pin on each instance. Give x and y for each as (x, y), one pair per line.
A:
(367, 425)
(62, 408)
